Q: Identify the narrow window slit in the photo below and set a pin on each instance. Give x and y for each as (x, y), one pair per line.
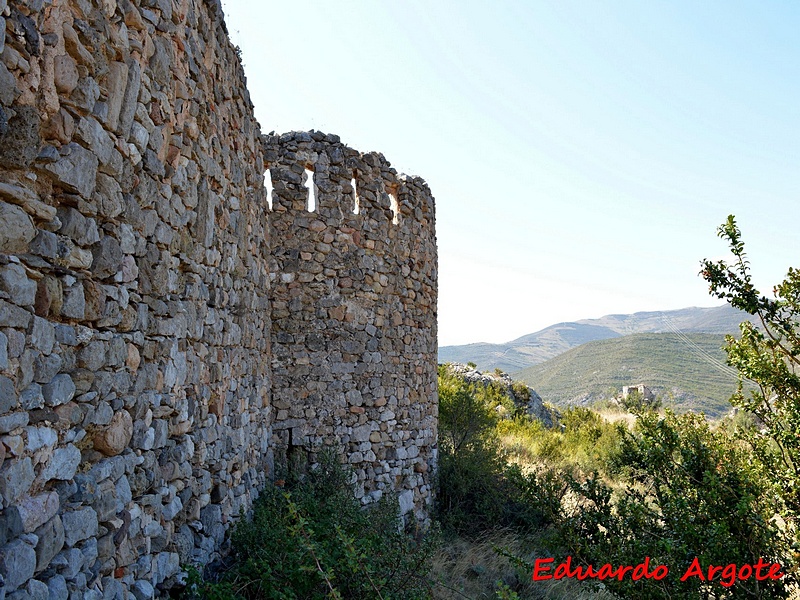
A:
(395, 207)
(268, 185)
(356, 207)
(312, 191)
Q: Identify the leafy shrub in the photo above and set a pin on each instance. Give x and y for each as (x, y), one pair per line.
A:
(767, 354)
(586, 442)
(690, 492)
(314, 540)
(477, 489)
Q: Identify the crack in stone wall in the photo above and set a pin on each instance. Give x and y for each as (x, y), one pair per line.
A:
(144, 384)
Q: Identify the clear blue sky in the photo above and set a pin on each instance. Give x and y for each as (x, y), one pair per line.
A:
(581, 154)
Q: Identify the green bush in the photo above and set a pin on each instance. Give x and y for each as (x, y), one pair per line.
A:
(477, 490)
(315, 540)
(767, 354)
(586, 442)
(690, 492)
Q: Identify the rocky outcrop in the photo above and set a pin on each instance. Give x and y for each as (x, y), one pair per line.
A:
(139, 268)
(518, 392)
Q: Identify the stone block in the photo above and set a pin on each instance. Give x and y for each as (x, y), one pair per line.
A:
(16, 229)
(38, 590)
(51, 540)
(80, 229)
(28, 200)
(42, 335)
(76, 170)
(16, 477)
(107, 257)
(114, 438)
(79, 525)
(32, 397)
(65, 74)
(74, 304)
(95, 138)
(59, 391)
(19, 143)
(17, 564)
(63, 464)
(8, 395)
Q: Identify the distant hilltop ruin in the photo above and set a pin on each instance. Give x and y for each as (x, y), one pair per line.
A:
(185, 304)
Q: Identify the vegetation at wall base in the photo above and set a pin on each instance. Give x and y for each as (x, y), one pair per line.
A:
(314, 540)
(672, 488)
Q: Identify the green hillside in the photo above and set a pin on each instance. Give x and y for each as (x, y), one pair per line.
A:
(687, 371)
(535, 348)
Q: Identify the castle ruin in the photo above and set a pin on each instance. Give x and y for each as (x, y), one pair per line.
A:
(168, 332)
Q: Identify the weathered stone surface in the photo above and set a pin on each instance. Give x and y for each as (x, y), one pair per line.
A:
(32, 398)
(57, 586)
(114, 438)
(44, 244)
(92, 356)
(51, 540)
(59, 391)
(66, 74)
(63, 464)
(116, 82)
(6, 78)
(40, 437)
(16, 229)
(3, 356)
(13, 421)
(110, 201)
(79, 525)
(128, 106)
(33, 512)
(17, 564)
(28, 200)
(181, 333)
(95, 138)
(8, 395)
(142, 589)
(37, 590)
(16, 284)
(76, 170)
(79, 228)
(19, 139)
(74, 303)
(107, 257)
(45, 367)
(14, 316)
(42, 335)
(16, 477)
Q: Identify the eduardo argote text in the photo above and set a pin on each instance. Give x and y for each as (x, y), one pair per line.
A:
(726, 575)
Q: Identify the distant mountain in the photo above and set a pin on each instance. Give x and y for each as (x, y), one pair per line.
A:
(548, 343)
(687, 371)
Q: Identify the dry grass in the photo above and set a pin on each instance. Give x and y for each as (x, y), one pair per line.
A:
(471, 569)
(618, 416)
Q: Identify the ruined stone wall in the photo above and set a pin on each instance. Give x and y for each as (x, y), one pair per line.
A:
(136, 419)
(134, 312)
(354, 314)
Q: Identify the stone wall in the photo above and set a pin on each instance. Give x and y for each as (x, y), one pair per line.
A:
(354, 314)
(136, 412)
(134, 312)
